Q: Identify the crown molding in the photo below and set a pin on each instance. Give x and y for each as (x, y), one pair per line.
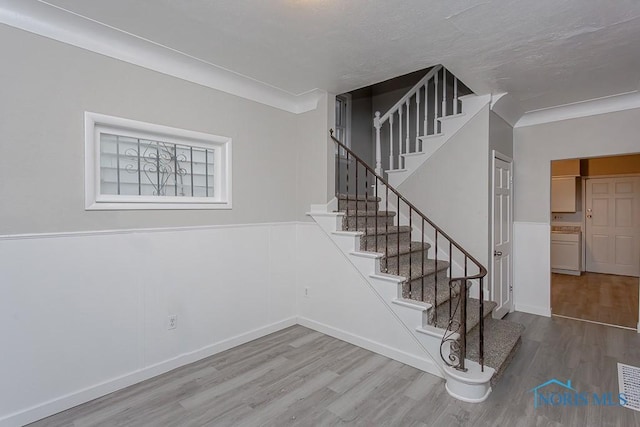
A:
(67, 27)
(592, 107)
(505, 106)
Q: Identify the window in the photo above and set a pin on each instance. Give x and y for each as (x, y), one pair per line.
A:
(136, 165)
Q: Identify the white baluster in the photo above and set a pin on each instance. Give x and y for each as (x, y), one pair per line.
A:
(399, 135)
(417, 118)
(435, 104)
(426, 110)
(455, 95)
(444, 92)
(391, 141)
(376, 124)
(406, 150)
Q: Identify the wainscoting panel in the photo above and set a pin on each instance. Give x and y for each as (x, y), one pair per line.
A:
(86, 314)
(532, 267)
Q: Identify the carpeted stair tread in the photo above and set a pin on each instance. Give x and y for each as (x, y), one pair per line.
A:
(473, 312)
(416, 268)
(501, 338)
(367, 213)
(360, 197)
(405, 248)
(391, 229)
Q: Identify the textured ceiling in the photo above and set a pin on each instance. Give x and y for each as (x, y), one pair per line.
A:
(543, 52)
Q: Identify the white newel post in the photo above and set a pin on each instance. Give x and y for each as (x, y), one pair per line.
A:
(376, 124)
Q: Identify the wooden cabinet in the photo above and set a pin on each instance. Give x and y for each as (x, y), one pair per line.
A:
(570, 167)
(565, 253)
(565, 194)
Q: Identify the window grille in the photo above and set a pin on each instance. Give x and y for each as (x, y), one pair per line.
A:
(134, 165)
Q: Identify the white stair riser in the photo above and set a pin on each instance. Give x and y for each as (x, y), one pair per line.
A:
(408, 315)
(364, 265)
(387, 290)
(413, 161)
(346, 243)
(328, 223)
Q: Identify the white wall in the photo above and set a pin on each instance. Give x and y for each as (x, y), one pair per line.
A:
(450, 188)
(534, 148)
(86, 314)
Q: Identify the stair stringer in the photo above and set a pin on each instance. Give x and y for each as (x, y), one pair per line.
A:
(470, 386)
(450, 125)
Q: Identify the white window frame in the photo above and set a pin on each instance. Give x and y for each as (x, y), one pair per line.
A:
(95, 124)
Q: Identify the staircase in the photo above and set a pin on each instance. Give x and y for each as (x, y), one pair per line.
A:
(421, 122)
(431, 284)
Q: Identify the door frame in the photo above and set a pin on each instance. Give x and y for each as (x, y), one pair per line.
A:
(498, 155)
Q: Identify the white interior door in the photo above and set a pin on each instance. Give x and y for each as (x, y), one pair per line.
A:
(613, 226)
(501, 268)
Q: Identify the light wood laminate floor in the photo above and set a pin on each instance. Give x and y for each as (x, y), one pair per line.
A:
(304, 378)
(597, 297)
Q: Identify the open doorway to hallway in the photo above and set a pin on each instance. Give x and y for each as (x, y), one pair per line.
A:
(595, 239)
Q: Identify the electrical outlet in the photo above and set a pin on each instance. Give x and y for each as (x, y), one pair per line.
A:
(307, 292)
(173, 321)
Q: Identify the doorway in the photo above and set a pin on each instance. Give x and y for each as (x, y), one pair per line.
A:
(595, 239)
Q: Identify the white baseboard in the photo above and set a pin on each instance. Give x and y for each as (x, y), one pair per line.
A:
(540, 311)
(423, 364)
(65, 402)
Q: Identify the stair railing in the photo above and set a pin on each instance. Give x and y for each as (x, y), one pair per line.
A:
(357, 181)
(437, 103)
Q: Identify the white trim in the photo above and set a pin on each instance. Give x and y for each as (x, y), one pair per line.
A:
(531, 309)
(425, 365)
(592, 107)
(59, 24)
(95, 124)
(53, 235)
(62, 403)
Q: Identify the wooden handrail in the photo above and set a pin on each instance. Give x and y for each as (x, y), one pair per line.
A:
(483, 270)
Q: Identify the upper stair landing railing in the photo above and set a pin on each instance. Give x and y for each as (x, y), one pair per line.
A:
(435, 96)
